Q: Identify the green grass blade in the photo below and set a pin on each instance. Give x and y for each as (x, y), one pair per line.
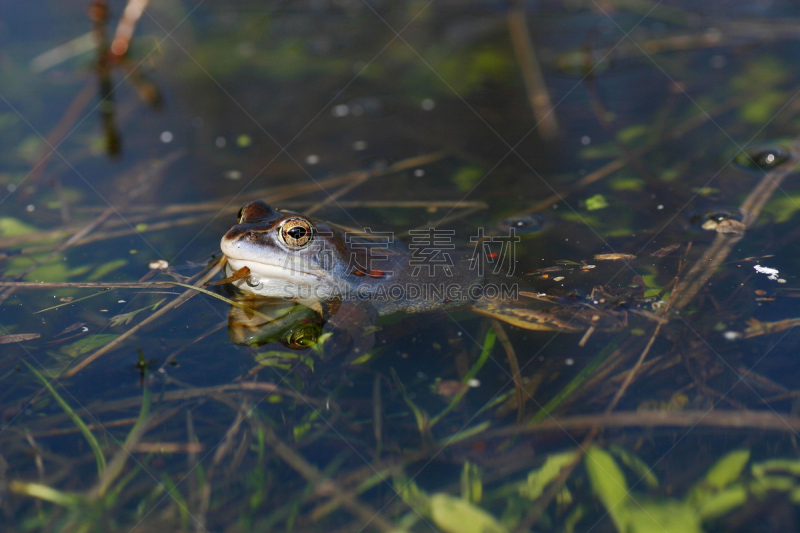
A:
(117, 463)
(43, 492)
(420, 415)
(98, 453)
(578, 380)
(488, 344)
(226, 300)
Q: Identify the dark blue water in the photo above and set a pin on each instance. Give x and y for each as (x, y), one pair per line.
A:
(216, 106)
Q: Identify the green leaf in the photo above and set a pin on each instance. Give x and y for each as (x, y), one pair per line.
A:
(787, 466)
(631, 133)
(539, 479)
(638, 466)
(277, 358)
(608, 483)
(724, 472)
(107, 268)
(600, 151)
(627, 183)
(727, 470)
(87, 344)
(763, 108)
(11, 227)
(302, 428)
(761, 486)
(415, 497)
(760, 75)
(465, 433)
(43, 492)
(455, 515)
(722, 502)
(466, 178)
(658, 517)
(471, 482)
(419, 415)
(783, 207)
(598, 201)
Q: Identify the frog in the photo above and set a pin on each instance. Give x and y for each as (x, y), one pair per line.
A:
(355, 277)
(310, 261)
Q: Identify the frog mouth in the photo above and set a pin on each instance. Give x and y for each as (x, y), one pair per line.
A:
(268, 270)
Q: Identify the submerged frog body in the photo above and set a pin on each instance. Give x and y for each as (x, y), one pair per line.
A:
(327, 267)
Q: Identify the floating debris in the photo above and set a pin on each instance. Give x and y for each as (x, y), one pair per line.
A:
(728, 220)
(755, 327)
(665, 251)
(730, 227)
(19, 337)
(614, 257)
(771, 273)
(450, 388)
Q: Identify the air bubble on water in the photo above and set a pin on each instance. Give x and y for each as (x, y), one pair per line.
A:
(340, 110)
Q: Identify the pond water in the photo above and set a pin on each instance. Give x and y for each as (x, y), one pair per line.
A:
(638, 156)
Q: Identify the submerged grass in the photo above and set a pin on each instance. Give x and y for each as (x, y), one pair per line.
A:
(99, 456)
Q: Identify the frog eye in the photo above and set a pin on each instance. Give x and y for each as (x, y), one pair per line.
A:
(304, 336)
(239, 215)
(296, 232)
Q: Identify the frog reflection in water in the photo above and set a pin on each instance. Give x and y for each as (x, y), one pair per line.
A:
(351, 279)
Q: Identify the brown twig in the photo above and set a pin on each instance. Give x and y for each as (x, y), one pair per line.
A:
(513, 363)
(60, 131)
(186, 295)
(126, 26)
(753, 420)
(274, 195)
(177, 352)
(66, 244)
(446, 220)
(601, 113)
(674, 133)
(88, 285)
(629, 378)
(190, 394)
(721, 247)
(531, 68)
(99, 14)
(222, 450)
(299, 464)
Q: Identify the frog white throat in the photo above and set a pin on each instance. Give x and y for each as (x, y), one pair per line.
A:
(278, 281)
